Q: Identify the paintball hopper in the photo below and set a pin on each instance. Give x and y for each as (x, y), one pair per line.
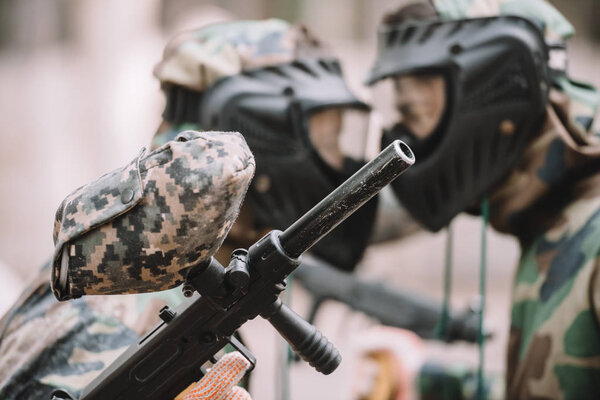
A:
(141, 227)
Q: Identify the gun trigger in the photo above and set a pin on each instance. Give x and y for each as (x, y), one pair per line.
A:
(166, 314)
(236, 344)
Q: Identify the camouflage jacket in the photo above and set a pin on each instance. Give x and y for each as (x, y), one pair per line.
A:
(551, 202)
(186, 196)
(48, 344)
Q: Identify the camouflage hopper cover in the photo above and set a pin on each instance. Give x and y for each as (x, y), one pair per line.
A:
(551, 202)
(141, 227)
(197, 59)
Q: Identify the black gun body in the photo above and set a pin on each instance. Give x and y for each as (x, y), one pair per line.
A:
(166, 360)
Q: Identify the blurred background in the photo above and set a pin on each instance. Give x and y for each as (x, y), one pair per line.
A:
(78, 99)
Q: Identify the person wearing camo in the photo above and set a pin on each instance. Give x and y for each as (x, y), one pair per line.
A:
(137, 229)
(491, 114)
(125, 217)
(283, 89)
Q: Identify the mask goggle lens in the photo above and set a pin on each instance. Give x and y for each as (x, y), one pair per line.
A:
(339, 133)
(417, 106)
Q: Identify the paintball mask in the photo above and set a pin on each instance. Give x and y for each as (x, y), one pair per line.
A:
(306, 130)
(493, 76)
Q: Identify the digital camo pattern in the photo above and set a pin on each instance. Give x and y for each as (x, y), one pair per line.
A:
(557, 26)
(47, 345)
(140, 229)
(551, 202)
(197, 59)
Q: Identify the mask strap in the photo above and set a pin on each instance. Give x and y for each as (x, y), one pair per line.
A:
(485, 216)
(441, 329)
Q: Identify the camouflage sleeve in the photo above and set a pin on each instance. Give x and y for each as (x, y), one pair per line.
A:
(47, 345)
(140, 228)
(183, 196)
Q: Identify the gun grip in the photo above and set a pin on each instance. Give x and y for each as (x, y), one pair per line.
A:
(306, 340)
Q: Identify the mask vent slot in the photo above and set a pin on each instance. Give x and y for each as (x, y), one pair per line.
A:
(457, 27)
(304, 68)
(327, 66)
(408, 33)
(259, 140)
(429, 31)
(276, 71)
(507, 86)
(391, 37)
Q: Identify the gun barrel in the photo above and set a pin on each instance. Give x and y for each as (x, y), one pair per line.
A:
(346, 199)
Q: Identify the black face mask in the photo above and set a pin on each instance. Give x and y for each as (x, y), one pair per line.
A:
(270, 107)
(496, 76)
(295, 186)
(298, 178)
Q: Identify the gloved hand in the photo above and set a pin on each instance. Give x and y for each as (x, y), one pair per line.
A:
(220, 382)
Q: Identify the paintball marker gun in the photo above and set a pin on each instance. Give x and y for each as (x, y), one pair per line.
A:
(170, 356)
(390, 306)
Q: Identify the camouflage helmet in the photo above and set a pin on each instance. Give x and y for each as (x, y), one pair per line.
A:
(198, 58)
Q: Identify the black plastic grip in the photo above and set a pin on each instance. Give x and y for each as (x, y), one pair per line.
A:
(306, 340)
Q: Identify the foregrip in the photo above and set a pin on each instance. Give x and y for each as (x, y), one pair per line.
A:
(306, 340)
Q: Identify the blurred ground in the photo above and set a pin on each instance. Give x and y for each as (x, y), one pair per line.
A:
(79, 99)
